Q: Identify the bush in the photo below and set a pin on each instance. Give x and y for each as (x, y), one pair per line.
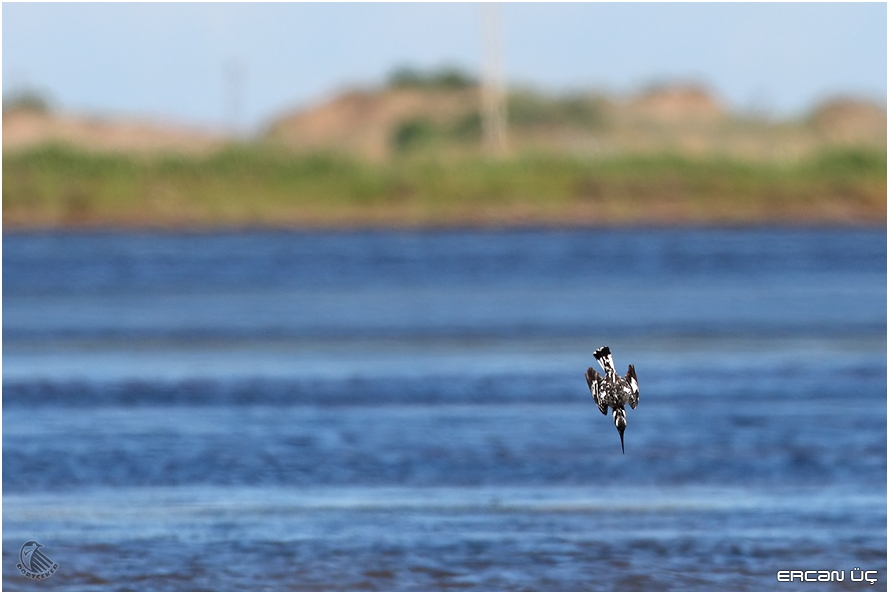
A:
(413, 134)
(529, 109)
(446, 77)
(26, 100)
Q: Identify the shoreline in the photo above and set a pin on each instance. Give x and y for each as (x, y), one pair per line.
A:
(57, 188)
(447, 227)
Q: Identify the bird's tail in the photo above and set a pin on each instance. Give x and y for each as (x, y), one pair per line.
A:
(603, 356)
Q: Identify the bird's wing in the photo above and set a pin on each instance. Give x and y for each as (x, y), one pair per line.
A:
(591, 380)
(603, 406)
(634, 386)
(594, 380)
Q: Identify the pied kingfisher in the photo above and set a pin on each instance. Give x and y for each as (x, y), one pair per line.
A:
(613, 390)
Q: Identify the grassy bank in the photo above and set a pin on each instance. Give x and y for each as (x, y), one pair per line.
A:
(256, 186)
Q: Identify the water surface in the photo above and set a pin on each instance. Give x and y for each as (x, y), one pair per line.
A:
(407, 411)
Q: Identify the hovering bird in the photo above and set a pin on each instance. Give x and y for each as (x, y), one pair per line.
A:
(613, 390)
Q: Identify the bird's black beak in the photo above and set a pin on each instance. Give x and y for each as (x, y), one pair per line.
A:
(621, 441)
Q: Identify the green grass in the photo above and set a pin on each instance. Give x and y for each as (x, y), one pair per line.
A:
(258, 186)
(528, 109)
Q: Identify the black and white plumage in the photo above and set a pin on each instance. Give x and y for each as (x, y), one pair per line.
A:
(613, 390)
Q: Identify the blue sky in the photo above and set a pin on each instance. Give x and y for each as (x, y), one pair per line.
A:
(169, 61)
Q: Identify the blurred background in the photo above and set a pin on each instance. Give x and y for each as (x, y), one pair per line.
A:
(327, 114)
(301, 296)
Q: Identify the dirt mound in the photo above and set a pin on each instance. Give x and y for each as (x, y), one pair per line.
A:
(848, 121)
(677, 103)
(25, 128)
(375, 124)
(363, 122)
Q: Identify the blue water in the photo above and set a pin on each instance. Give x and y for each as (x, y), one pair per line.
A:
(407, 411)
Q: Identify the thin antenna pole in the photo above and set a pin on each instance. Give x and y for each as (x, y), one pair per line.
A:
(234, 95)
(493, 95)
